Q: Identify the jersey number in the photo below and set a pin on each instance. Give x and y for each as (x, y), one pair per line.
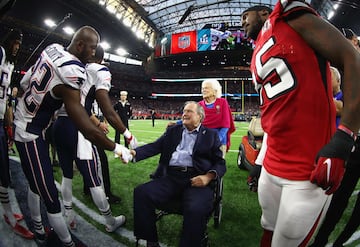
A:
(2, 88)
(38, 86)
(285, 80)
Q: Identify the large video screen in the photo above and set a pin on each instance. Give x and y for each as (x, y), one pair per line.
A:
(223, 36)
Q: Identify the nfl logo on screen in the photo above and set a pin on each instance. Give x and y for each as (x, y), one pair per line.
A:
(184, 42)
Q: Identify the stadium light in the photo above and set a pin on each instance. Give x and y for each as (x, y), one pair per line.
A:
(50, 23)
(121, 52)
(127, 21)
(129, 17)
(105, 45)
(68, 30)
(111, 9)
(140, 34)
(331, 14)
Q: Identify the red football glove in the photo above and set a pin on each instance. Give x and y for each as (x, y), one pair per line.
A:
(330, 162)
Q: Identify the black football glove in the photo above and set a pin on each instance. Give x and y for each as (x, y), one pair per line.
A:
(330, 162)
(253, 178)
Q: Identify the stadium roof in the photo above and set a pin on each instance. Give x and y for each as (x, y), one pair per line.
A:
(120, 21)
(341, 13)
(178, 16)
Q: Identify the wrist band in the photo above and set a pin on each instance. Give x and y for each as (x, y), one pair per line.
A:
(127, 134)
(347, 131)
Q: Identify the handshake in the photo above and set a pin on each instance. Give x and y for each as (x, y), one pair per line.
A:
(125, 154)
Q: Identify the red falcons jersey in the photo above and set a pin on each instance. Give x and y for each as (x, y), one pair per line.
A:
(295, 95)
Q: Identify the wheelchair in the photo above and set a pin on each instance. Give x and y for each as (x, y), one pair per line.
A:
(175, 206)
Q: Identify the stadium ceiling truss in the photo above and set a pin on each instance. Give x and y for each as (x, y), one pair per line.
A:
(132, 16)
(155, 18)
(179, 16)
(325, 7)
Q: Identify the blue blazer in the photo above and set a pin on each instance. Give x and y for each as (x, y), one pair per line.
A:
(206, 153)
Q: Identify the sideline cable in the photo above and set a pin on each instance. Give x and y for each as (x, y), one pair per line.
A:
(67, 16)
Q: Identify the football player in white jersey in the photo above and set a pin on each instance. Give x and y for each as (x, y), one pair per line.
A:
(8, 53)
(97, 86)
(55, 79)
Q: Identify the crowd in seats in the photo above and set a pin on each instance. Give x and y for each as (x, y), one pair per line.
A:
(184, 88)
(231, 87)
(170, 108)
(164, 109)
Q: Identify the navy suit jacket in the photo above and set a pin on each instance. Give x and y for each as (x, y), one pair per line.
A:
(206, 156)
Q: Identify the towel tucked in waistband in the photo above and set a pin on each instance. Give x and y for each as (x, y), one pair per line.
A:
(84, 148)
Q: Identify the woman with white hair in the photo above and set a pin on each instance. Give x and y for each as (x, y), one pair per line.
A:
(217, 112)
(337, 93)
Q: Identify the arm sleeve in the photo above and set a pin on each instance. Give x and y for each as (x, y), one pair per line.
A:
(223, 135)
(25, 81)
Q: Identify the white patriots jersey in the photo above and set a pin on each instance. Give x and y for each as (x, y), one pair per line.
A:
(98, 77)
(6, 69)
(35, 109)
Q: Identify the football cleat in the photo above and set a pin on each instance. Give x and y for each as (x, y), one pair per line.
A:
(119, 221)
(22, 231)
(18, 217)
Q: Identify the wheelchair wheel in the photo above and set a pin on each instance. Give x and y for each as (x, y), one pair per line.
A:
(217, 215)
(218, 207)
(205, 240)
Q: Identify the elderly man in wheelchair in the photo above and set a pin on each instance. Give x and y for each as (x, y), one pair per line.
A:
(191, 157)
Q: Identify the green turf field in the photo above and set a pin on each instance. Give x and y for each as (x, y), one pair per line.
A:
(240, 225)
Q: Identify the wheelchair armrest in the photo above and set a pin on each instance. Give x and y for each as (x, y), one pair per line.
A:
(218, 190)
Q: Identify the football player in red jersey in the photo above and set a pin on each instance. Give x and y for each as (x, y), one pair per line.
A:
(305, 157)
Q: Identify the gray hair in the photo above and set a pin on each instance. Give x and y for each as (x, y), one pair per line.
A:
(337, 73)
(199, 109)
(215, 84)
